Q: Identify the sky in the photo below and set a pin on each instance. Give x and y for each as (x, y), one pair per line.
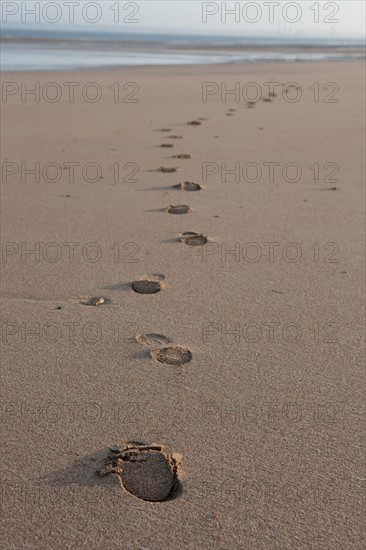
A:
(282, 18)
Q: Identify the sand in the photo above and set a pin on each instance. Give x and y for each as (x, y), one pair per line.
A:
(267, 415)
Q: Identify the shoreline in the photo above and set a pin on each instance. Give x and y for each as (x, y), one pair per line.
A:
(256, 67)
(103, 55)
(179, 65)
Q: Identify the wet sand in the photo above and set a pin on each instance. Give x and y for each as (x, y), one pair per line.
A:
(240, 357)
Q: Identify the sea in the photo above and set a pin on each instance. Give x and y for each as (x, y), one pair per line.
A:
(29, 49)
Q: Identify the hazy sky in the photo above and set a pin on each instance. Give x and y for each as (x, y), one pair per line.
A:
(344, 18)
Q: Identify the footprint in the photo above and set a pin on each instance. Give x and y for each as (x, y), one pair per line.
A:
(229, 114)
(168, 170)
(175, 137)
(193, 239)
(250, 104)
(172, 355)
(182, 156)
(156, 277)
(179, 209)
(188, 186)
(152, 339)
(166, 145)
(267, 99)
(146, 286)
(232, 110)
(194, 123)
(94, 302)
(148, 472)
(164, 130)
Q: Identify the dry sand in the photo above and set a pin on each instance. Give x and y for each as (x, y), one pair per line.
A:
(267, 422)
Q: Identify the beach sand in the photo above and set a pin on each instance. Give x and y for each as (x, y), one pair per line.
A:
(264, 422)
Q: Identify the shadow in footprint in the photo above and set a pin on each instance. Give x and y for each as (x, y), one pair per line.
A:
(147, 471)
(167, 170)
(150, 284)
(188, 186)
(146, 286)
(179, 209)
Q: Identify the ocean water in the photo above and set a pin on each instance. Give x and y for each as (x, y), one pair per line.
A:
(28, 50)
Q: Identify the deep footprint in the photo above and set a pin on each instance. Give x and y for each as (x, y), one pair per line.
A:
(194, 123)
(168, 170)
(166, 145)
(156, 277)
(193, 239)
(179, 209)
(146, 286)
(182, 156)
(172, 355)
(188, 186)
(95, 302)
(152, 339)
(148, 472)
